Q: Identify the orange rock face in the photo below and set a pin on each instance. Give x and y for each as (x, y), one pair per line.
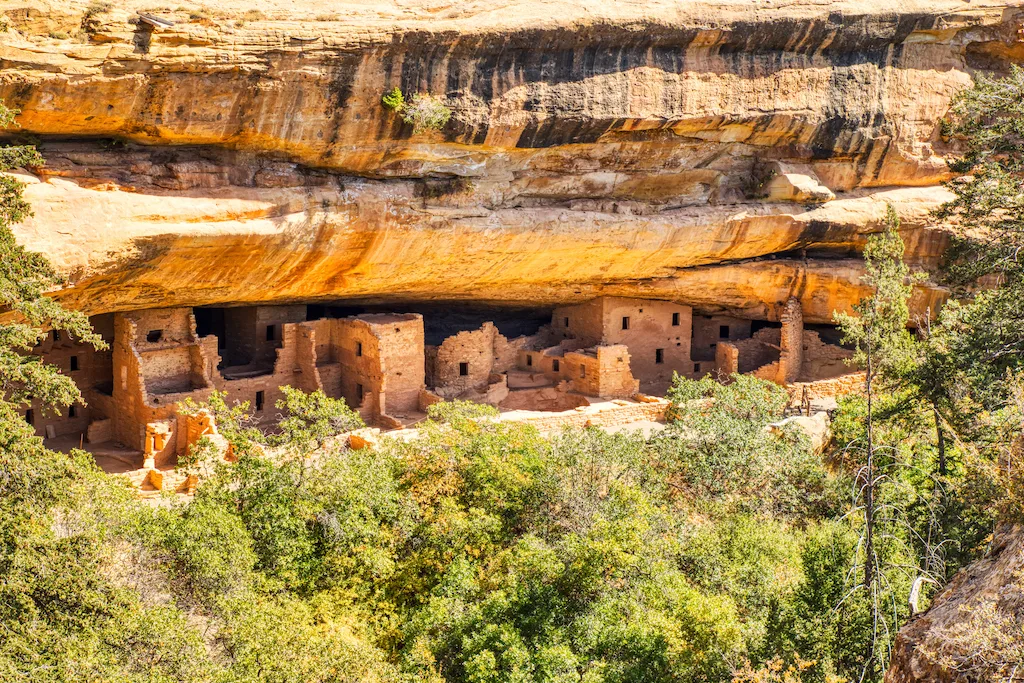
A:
(616, 149)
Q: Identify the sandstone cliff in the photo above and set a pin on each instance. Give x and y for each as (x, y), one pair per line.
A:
(243, 154)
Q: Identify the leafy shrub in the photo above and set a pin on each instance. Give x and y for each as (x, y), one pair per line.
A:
(394, 100)
(424, 112)
(458, 411)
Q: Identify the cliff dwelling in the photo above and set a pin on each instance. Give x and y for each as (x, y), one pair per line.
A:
(608, 348)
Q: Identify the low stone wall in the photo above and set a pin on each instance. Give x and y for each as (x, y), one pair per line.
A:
(852, 383)
(606, 414)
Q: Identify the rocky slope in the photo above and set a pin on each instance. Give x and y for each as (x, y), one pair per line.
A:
(972, 625)
(243, 154)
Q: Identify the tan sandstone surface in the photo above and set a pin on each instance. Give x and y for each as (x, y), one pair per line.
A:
(595, 148)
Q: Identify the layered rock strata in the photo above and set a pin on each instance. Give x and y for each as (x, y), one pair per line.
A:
(723, 155)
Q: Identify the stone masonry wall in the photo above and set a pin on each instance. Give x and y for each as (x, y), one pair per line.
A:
(791, 344)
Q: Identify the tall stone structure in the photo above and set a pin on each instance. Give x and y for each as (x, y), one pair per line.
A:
(791, 344)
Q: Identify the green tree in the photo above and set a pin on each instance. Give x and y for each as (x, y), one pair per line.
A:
(979, 337)
(883, 347)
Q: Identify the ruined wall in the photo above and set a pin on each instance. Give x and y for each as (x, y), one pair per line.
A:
(657, 334)
(609, 414)
(291, 367)
(791, 343)
(708, 332)
(823, 360)
(88, 367)
(759, 350)
(545, 399)
(253, 334)
(727, 359)
(158, 363)
(602, 371)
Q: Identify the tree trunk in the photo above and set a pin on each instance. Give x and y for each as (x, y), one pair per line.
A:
(869, 520)
(941, 442)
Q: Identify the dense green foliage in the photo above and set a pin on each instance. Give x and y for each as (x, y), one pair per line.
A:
(722, 548)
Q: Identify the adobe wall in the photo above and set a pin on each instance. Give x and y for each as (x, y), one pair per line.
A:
(475, 349)
(602, 371)
(88, 367)
(707, 334)
(152, 377)
(286, 371)
(760, 350)
(650, 329)
(486, 352)
(390, 369)
(584, 322)
(727, 359)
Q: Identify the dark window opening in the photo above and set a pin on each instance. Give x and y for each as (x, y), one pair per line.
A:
(675, 320)
(723, 331)
(359, 392)
(74, 363)
(154, 336)
(554, 365)
(259, 401)
(72, 411)
(529, 359)
(56, 335)
(30, 416)
(567, 322)
(625, 322)
(696, 367)
(359, 348)
(463, 369)
(714, 345)
(659, 355)
(271, 332)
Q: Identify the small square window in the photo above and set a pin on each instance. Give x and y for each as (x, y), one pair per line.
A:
(529, 359)
(153, 336)
(463, 369)
(714, 345)
(675, 320)
(72, 411)
(723, 331)
(259, 401)
(271, 332)
(554, 365)
(696, 367)
(74, 363)
(625, 322)
(359, 348)
(659, 355)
